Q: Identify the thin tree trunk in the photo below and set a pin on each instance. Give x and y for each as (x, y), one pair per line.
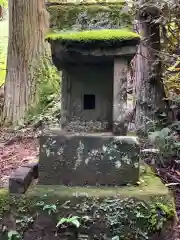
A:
(28, 22)
(148, 85)
(1, 12)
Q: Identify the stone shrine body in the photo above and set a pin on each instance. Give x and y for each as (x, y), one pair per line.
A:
(84, 164)
(91, 147)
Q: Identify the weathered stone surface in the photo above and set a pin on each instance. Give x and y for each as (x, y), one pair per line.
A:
(20, 180)
(34, 167)
(63, 55)
(88, 159)
(120, 96)
(82, 80)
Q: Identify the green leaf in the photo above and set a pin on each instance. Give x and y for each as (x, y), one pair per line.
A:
(177, 144)
(74, 218)
(13, 235)
(154, 135)
(163, 114)
(166, 131)
(139, 215)
(61, 221)
(86, 218)
(76, 223)
(174, 106)
(41, 203)
(115, 238)
(50, 207)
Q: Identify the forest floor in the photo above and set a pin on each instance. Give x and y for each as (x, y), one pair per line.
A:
(18, 147)
(15, 150)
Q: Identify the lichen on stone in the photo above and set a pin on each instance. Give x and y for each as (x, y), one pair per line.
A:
(60, 151)
(126, 159)
(47, 146)
(118, 164)
(79, 153)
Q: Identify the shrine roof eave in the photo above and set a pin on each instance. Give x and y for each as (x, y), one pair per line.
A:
(62, 56)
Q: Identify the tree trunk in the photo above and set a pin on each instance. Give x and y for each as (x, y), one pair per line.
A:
(1, 12)
(28, 23)
(148, 85)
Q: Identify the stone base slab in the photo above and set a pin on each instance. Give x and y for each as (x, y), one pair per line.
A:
(22, 177)
(88, 159)
(20, 180)
(127, 211)
(104, 212)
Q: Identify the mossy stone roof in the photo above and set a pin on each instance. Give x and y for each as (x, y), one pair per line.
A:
(88, 14)
(102, 37)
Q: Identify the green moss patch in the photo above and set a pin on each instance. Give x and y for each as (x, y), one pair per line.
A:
(112, 35)
(105, 37)
(148, 187)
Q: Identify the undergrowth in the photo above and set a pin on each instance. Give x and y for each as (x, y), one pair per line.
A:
(123, 218)
(164, 135)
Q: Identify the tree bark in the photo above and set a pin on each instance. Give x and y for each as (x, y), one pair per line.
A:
(148, 85)
(28, 23)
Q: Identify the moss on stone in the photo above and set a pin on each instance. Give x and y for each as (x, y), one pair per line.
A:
(103, 37)
(111, 35)
(87, 16)
(4, 201)
(149, 187)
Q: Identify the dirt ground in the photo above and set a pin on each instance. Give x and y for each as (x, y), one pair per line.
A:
(15, 150)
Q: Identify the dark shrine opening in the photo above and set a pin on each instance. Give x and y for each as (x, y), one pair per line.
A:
(89, 102)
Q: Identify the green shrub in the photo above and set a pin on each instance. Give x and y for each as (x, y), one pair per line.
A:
(167, 141)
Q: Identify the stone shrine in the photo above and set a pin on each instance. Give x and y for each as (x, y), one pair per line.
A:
(84, 163)
(91, 147)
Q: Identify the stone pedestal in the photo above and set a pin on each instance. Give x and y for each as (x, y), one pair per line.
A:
(109, 210)
(88, 159)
